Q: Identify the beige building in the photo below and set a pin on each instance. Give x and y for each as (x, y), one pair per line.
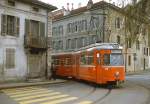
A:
(101, 22)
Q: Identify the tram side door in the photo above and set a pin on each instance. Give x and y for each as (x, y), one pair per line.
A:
(100, 65)
(75, 65)
(98, 62)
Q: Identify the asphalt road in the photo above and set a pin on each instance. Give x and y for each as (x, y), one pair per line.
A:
(136, 90)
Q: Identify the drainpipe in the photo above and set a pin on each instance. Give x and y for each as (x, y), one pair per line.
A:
(46, 71)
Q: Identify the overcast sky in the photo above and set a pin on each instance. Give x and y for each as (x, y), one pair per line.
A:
(60, 3)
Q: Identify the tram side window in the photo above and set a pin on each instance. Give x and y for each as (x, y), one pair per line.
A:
(98, 58)
(90, 58)
(107, 59)
(62, 62)
(56, 61)
(68, 61)
(83, 60)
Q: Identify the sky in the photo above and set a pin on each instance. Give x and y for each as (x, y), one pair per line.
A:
(60, 3)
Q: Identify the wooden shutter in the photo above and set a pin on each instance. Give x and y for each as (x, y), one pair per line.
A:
(18, 26)
(27, 27)
(42, 29)
(10, 58)
(4, 25)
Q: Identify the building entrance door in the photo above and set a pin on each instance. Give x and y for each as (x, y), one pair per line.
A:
(36, 65)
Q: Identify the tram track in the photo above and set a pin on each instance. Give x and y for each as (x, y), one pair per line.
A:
(148, 99)
(98, 101)
(145, 87)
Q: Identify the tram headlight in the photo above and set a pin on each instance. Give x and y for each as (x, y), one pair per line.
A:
(117, 74)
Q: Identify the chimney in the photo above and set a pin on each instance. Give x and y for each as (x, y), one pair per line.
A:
(72, 7)
(114, 3)
(90, 4)
(134, 2)
(123, 3)
(79, 5)
(109, 1)
(68, 7)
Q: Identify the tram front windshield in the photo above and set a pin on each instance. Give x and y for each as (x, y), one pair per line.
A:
(114, 59)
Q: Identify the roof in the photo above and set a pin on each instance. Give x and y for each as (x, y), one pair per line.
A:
(39, 3)
(98, 5)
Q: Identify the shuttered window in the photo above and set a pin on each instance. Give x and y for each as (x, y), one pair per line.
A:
(10, 25)
(42, 29)
(10, 58)
(129, 60)
(34, 28)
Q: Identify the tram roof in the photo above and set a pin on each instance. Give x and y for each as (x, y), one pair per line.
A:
(103, 46)
(91, 47)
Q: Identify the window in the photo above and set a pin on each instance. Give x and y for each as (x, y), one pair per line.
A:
(60, 28)
(54, 31)
(68, 44)
(137, 44)
(10, 58)
(129, 60)
(36, 9)
(94, 39)
(83, 41)
(73, 44)
(80, 26)
(10, 25)
(118, 39)
(11, 2)
(34, 28)
(107, 59)
(116, 59)
(68, 61)
(69, 26)
(56, 61)
(83, 59)
(98, 56)
(129, 43)
(117, 22)
(90, 58)
(53, 43)
(76, 26)
(84, 22)
(60, 44)
(147, 51)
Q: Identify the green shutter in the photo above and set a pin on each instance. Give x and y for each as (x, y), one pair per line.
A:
(42, 29)
(4, 25)
(17, 27)
(149, 37)
(27, 27)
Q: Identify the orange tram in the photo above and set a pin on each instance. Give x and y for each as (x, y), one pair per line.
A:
(101, 63)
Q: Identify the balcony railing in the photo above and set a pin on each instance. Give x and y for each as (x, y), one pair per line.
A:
(35, 42)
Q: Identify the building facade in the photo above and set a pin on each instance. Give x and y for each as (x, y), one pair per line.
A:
(99, 22)
(23, 38)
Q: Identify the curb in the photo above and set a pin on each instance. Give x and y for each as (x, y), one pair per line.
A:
(16, 85)
(137, 72)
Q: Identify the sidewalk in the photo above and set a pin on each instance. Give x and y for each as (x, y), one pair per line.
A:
(25, 84)
(138, 72)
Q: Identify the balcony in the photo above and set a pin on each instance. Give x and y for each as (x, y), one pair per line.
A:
(35, 42)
